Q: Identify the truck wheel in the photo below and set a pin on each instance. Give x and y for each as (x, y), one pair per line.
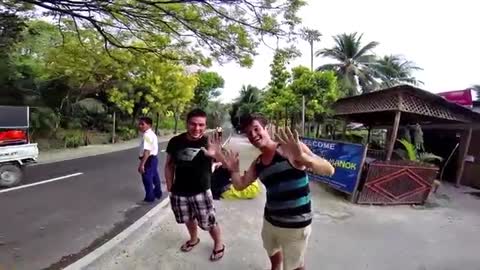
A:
(10, 175)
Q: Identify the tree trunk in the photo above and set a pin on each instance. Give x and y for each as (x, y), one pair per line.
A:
(175, 114)
(113, 127)
(292, 122)
(277, 124)
(318, 130)
(156, 124)
(311, 55)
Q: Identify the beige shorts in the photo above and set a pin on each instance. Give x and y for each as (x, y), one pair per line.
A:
(292, 243)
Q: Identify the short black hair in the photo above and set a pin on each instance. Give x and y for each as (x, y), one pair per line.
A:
(247, 120)
(147, 120)
(196, 113)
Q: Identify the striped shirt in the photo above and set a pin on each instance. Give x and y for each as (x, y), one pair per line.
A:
(288, 194)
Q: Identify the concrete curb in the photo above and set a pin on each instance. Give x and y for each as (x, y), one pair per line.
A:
(120, 147)
(103, 249)
(126, 146)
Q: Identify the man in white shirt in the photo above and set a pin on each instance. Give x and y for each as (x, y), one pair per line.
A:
(220, 132)
(148, 166)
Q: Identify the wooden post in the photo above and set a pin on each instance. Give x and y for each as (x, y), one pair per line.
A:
(334, 129)
(464, 147)
(369, 134)
(393, 136)
(113, 128)
(344, 130)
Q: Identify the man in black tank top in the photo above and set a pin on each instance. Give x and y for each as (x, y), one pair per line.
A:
(281, 167)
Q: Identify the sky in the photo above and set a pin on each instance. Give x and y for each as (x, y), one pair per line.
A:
(439, 36)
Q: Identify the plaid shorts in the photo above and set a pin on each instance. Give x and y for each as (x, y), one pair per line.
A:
(199, 207)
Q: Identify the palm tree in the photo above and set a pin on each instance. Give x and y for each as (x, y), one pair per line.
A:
(354, 62)
(311, 36)
(249, 100)
(394, 69)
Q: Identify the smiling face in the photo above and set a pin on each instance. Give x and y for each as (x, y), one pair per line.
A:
(257, 134)
(196, 127)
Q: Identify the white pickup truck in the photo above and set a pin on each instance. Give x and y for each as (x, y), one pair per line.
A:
(16, 151)
(13, 158)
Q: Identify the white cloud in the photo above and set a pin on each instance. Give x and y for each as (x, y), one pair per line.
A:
(439, 36)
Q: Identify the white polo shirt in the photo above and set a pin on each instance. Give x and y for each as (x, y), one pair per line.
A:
(149, 142)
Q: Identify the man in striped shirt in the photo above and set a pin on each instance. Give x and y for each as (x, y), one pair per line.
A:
(281, 167)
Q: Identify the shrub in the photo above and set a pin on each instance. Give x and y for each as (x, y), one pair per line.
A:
(74, 139)
(126, 133)
(169, 123)
(42, 121)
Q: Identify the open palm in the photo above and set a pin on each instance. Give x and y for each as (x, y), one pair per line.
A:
(232, 161)
(290, 143)
(214, 147)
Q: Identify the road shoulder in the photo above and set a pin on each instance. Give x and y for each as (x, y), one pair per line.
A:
(130, 237)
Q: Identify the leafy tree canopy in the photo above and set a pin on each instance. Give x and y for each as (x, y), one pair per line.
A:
(223, 30)
(208, 87)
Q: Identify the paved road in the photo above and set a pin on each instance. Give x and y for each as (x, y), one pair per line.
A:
(42, 224)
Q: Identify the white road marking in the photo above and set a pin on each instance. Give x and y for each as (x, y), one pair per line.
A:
(41, 182)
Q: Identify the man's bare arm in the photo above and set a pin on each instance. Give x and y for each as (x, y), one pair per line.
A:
(169, 171)
(241, 182)
(315, 163)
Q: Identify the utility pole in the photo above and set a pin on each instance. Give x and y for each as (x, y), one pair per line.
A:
(113, 127)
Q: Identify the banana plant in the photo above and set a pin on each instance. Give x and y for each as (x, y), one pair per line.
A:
(411, 153)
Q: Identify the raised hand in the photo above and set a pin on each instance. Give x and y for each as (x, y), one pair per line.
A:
(214, 147)
(290, 143)
(232, 161)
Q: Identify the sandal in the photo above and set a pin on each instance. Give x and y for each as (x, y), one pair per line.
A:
(214, 257)
(188, 246)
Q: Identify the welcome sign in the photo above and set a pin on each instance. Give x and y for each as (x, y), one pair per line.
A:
(347, 158)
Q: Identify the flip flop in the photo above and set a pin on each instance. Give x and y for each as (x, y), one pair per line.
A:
(188, 246)
(214, 257)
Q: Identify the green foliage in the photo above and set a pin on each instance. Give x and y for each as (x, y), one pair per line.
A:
(358, 68)
(126, 133)
(156, 86)
(89, 113)
(410, 148)
(43, 121)
(249, 101)
(207, 88)
(413, 154)
(168, 123)
(223, 30)
(311, 36)
(353, 61)
(393, 70)
(74, 138)
(11, 27)
(283, 96)
(77, 84)
(279, 98)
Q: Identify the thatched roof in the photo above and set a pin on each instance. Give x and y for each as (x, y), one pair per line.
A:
(417, 106)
